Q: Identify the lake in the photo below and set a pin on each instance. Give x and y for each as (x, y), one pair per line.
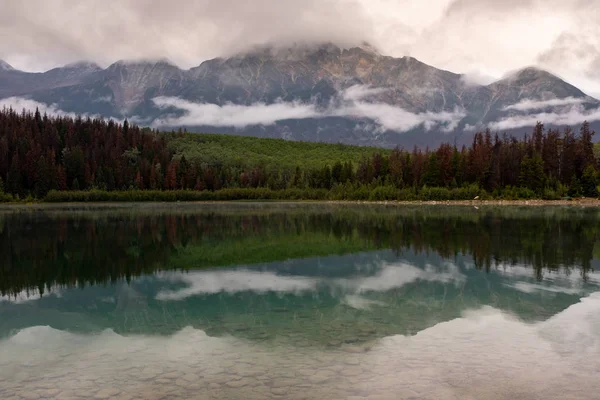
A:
(299, 301)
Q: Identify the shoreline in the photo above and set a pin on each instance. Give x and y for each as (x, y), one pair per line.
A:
(575, 202)
(585, 202)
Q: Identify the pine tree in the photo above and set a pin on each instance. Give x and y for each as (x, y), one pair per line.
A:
(13, 178)
(575, 189)
(532, 173)
(43, 181)
(589, 182)
(431, 177)
(336, 172)
(587, 146)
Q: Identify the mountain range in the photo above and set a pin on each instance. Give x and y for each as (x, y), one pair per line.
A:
(311, 93)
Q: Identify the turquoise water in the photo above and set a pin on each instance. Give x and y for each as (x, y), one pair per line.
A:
(299, 301)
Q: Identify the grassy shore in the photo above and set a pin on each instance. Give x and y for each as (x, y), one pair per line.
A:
(585, 202)
(470, 195)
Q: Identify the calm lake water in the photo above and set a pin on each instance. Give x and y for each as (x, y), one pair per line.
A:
(291, 301)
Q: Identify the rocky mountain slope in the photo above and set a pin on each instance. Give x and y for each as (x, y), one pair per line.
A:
(355, 95)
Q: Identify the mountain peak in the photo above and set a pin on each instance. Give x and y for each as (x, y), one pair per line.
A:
(301, 50)
(4, 66)
(296, 51)
(83, 65)
(367, 48)
(529, 74)
(143, 62)
(533, 82)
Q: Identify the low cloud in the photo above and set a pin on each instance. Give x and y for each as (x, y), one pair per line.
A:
(351, 104)
(397, 119)
(20, 103)
(530, 104)
(477, 78)
(471, 128)
(233, 115)
(573, 116)
(360, 92)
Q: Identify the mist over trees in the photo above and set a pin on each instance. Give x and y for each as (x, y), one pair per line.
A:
(40, 153)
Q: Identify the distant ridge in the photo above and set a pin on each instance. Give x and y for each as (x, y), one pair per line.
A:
(443, 105)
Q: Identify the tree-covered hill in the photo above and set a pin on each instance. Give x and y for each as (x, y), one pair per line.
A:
(214, 149)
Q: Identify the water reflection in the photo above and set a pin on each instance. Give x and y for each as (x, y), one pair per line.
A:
(483, 354)
(306, 302)
(346, 299)
(48, 247)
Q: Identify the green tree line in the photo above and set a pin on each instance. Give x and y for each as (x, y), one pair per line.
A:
(43, 156)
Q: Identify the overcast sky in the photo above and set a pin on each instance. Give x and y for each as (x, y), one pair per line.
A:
(486, 38)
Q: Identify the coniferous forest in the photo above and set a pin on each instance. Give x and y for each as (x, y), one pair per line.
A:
(83, 159)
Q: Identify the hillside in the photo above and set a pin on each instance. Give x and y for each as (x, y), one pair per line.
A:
(214, 149)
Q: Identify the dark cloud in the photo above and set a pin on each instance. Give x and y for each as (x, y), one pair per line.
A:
(480, 37)
(46, 32)
(581, 49)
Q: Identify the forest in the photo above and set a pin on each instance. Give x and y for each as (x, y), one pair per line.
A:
(83, 159)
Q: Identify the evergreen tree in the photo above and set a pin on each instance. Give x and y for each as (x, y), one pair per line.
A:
(13, 178)
(38, 154)
(587, 146)
(297, 179)
(575, 189)
(336, 172)
(347, 172)
(432, 172)
(532, 173)
(44, 179)
(589, 182)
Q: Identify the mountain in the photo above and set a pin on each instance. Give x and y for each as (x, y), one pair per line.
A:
(4, 66)
(328, 93)
(19, 83)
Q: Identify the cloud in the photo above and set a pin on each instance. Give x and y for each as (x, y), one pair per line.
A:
(581, 48)
(189, 32)
(21, 103)
(477, 78)
(103, 99)
(487, 37)
(529, 104)
(572, 116)
(360, 92)
(393, 118)
(471, 128)
(52, 110)
(231, 114)
(350, 104)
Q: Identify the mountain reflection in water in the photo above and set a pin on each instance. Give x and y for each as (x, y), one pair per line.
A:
(299, 301)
